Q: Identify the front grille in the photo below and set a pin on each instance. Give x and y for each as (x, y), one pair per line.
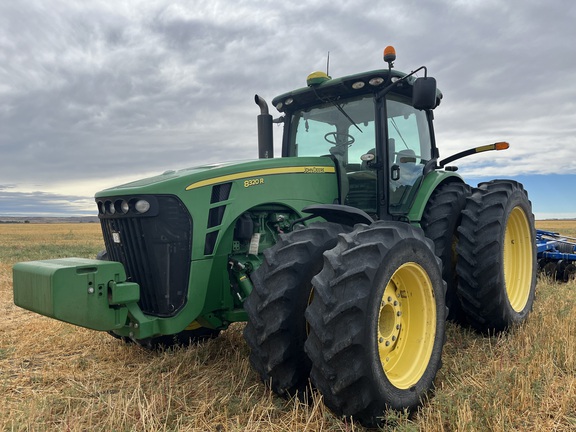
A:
(155, 249)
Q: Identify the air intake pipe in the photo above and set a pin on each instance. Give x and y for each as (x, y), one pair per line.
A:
(265, 139)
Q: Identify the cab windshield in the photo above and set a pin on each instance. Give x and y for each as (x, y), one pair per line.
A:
(343, 129)
(346, 131)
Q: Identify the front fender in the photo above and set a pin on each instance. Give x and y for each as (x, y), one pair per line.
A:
(429, 184)
(339, 213)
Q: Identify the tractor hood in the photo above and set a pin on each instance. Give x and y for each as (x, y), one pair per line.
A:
(188, 179)
(170, 175)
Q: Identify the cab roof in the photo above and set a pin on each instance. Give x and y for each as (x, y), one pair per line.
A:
(343, 88)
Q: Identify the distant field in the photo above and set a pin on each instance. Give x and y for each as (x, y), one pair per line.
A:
(565, 227)
(54, 376)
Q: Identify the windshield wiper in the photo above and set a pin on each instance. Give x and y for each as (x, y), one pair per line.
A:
(346, 115)
(339, 108)
(393, 122)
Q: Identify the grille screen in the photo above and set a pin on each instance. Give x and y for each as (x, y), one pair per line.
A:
(155, 251)
(220, 192)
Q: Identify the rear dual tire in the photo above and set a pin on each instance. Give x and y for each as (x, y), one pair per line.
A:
(440, 221)
(497, 256)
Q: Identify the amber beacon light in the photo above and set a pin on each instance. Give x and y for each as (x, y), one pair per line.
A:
(389, 54)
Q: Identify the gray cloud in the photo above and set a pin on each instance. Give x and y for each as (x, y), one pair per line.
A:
(90, 91)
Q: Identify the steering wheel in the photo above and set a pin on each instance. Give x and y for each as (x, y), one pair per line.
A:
(349, 138)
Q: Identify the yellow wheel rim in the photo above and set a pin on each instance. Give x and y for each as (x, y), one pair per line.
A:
(518, 259)
(406, 325)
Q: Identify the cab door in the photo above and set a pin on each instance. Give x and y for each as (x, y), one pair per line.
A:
(409, 149)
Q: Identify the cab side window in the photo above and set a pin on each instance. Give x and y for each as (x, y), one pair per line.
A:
(409, 151)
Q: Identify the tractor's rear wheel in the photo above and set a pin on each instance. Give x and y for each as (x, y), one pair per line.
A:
(276, 328)
(441, 219)
(497, 256)
(377, 321)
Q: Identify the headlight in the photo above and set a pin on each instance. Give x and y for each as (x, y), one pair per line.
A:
(142, 206)
(109, 206)
(376, 81)
(124, 206)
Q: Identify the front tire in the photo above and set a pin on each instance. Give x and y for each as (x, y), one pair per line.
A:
(497, 256)
(276, 328)
(377, 321)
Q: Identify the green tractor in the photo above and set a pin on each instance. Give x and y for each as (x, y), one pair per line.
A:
(345, 256)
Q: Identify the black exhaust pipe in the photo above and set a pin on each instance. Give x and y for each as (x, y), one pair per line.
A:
(265, 138)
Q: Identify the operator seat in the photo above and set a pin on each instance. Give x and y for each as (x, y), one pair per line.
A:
(401, 190)
(409, 170)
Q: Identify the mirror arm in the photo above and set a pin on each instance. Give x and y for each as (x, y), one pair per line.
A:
(387, 89)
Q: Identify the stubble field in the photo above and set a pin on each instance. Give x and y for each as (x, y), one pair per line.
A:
(54, 376)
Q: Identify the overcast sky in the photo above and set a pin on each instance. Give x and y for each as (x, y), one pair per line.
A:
(93, 94)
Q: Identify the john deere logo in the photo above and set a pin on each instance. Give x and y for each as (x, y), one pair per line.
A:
(314, 170)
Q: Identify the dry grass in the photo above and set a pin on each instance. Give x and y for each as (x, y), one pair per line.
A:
(54, 376)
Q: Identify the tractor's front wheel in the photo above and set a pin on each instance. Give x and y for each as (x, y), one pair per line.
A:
(276, 328)
(377, 321)
(497, 256)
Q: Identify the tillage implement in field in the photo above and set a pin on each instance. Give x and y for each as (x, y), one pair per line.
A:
(344, 256)
(556, 255)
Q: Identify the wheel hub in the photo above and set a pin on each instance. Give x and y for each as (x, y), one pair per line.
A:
(389, 324)
(406, 325)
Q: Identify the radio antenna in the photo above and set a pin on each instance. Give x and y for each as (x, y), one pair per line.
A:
(328, 64)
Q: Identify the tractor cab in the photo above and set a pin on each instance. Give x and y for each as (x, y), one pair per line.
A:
(381, 144)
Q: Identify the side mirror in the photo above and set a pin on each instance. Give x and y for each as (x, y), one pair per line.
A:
(424, 93)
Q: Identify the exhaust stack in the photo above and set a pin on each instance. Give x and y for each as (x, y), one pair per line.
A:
(265, 139)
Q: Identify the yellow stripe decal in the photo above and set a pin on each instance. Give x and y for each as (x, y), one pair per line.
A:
(263, 172)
